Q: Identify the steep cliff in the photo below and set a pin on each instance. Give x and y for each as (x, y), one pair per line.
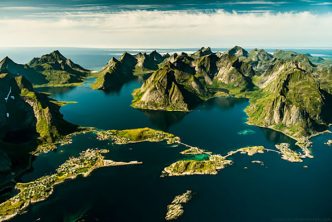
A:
(26, 114)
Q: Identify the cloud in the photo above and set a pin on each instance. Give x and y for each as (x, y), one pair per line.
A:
(155, 29)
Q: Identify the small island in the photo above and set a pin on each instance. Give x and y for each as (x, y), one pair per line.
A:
(288, 154)
(43, 187)
(329, 142)
(175, 209)
(201, 162)
(137, 135)
(210, 165)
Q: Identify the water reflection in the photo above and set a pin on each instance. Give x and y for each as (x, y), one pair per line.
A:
(223, 103)
(56, 90)
(164, 120)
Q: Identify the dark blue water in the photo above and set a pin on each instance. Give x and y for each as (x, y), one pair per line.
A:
(277, 191)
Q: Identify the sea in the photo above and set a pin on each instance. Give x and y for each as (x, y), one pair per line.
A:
(276, 190)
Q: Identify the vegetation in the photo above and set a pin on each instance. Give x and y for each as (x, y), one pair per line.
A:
(197, 167)
(137, 135)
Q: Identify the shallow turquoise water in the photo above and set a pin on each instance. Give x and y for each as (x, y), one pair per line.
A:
(277, 191)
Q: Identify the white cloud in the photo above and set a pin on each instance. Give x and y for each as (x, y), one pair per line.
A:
(169, 29)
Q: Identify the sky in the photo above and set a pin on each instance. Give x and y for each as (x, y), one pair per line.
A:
(166, 23)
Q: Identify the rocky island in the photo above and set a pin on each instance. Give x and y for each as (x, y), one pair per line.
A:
(43, 187)
(329, 142)
(175, 209)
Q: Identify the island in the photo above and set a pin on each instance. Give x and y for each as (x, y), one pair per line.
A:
(40, 189)
(175, 208)
(329, 142)
(136, 136)
(201, 162)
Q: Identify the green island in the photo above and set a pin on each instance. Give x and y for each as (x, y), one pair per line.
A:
(175, 208)
(43, 187)
(137, 135)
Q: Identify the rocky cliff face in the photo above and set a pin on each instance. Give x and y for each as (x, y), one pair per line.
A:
(26, 114)
(52, 69)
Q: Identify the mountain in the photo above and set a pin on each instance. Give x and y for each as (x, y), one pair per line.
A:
(202, 52)
(117, 72)
(168, 89)
(57, 69)
(292, 102)
(324, 75)
(238, 52)
(286, 55)
(184, 80)
(8, 65)
(51, 69)
(286, 90)
(26, 114)
(147, 63)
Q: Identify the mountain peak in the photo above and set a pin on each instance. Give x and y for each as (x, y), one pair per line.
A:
(5, 63)
(127, 58)
(237, 51)
(203, 51)
(6, 60)
(56, 55)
